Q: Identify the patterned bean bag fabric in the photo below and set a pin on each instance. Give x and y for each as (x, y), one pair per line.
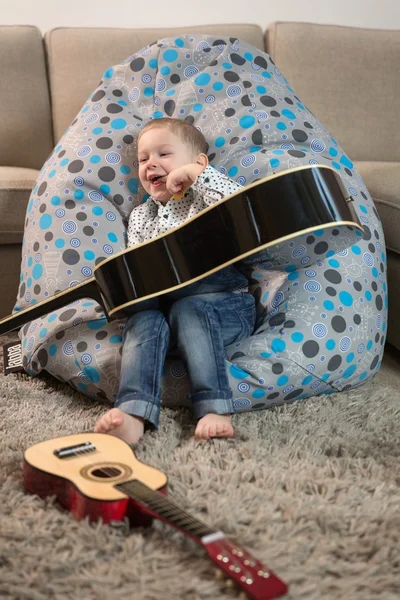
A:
(322, 302)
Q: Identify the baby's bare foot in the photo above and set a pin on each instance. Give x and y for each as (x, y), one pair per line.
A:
(213, 425)
(126, 427)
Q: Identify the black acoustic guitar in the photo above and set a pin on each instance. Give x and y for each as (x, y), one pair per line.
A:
(269, 211)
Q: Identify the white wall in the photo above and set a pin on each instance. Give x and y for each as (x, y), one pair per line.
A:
(46, 14)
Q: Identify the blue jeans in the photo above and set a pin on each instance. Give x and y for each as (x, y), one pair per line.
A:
(200, 323)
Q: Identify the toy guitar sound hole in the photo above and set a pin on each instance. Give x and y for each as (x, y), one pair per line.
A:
(106, 472)
(111, 473)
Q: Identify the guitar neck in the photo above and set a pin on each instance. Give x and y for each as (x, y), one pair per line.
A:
(88, 289)
(251, 575)
(165, 510)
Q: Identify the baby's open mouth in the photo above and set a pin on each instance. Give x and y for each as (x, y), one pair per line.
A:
(155, 178)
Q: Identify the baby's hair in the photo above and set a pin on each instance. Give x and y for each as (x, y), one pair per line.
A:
(188, 133)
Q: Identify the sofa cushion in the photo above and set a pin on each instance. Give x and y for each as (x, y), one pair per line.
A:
(393, 272)
(25, 128)
(383, 181)
(16, 185)
(78, 56)
(347, 77)
(10, 261)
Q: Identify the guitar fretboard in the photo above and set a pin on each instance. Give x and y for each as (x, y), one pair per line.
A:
(163, 507)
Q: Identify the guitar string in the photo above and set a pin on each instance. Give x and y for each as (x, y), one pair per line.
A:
(223, 546)
(159, 498)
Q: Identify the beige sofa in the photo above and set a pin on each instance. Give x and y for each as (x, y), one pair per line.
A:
(348, 77)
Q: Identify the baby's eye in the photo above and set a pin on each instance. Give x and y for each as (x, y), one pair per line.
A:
(165, 153)
(142, 160)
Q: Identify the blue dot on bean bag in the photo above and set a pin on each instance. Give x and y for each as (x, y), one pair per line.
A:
(45, 221)
(237, 373)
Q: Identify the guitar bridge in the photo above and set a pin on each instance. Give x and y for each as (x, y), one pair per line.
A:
(75, 450)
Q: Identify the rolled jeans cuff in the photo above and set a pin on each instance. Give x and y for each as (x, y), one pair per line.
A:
(204, 403)
(141, 405)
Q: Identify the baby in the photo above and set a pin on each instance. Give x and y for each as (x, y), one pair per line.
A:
(200, 319)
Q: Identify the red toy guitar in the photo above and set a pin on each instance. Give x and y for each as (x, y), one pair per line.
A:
(97, 476)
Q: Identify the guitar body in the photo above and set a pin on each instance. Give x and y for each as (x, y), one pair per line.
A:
(98, 476)
(275, 209)
(78, 484)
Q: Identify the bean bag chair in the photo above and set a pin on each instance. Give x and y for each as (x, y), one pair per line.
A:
(321, 299)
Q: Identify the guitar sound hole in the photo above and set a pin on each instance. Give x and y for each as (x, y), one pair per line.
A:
(104, 473)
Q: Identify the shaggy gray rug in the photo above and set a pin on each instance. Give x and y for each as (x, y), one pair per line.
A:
(312, 489)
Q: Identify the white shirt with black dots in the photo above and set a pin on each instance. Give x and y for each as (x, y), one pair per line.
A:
(152, 218)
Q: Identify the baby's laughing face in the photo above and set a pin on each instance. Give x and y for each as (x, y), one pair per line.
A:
(160, 151)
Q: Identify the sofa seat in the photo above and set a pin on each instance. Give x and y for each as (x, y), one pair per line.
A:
(16, 184)
(383, 182)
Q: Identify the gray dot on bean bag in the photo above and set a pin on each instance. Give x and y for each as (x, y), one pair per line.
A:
(334, 362)
(374, 362)
(106, 174)
(296, 153)
(237, 59)
(114, 108)
(231, 76)
(70, 257)
(277, 319)
(101, 335)
(137, 64)
(118, 199)
(43, 357)
(294, 394)
(268, 101)
(98, 96)
(104, 143)
(299, 135)
(261, 62)
(169, 107)
(67, 314)
(42, 188)
(257, 137)
(338, 324)
(76, 166)
(332, 276)
(310, 349)
(321, 248)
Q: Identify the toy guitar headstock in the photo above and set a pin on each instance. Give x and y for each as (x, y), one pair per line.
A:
(250, 574)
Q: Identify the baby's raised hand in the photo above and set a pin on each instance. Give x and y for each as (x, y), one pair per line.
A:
(182, 178)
